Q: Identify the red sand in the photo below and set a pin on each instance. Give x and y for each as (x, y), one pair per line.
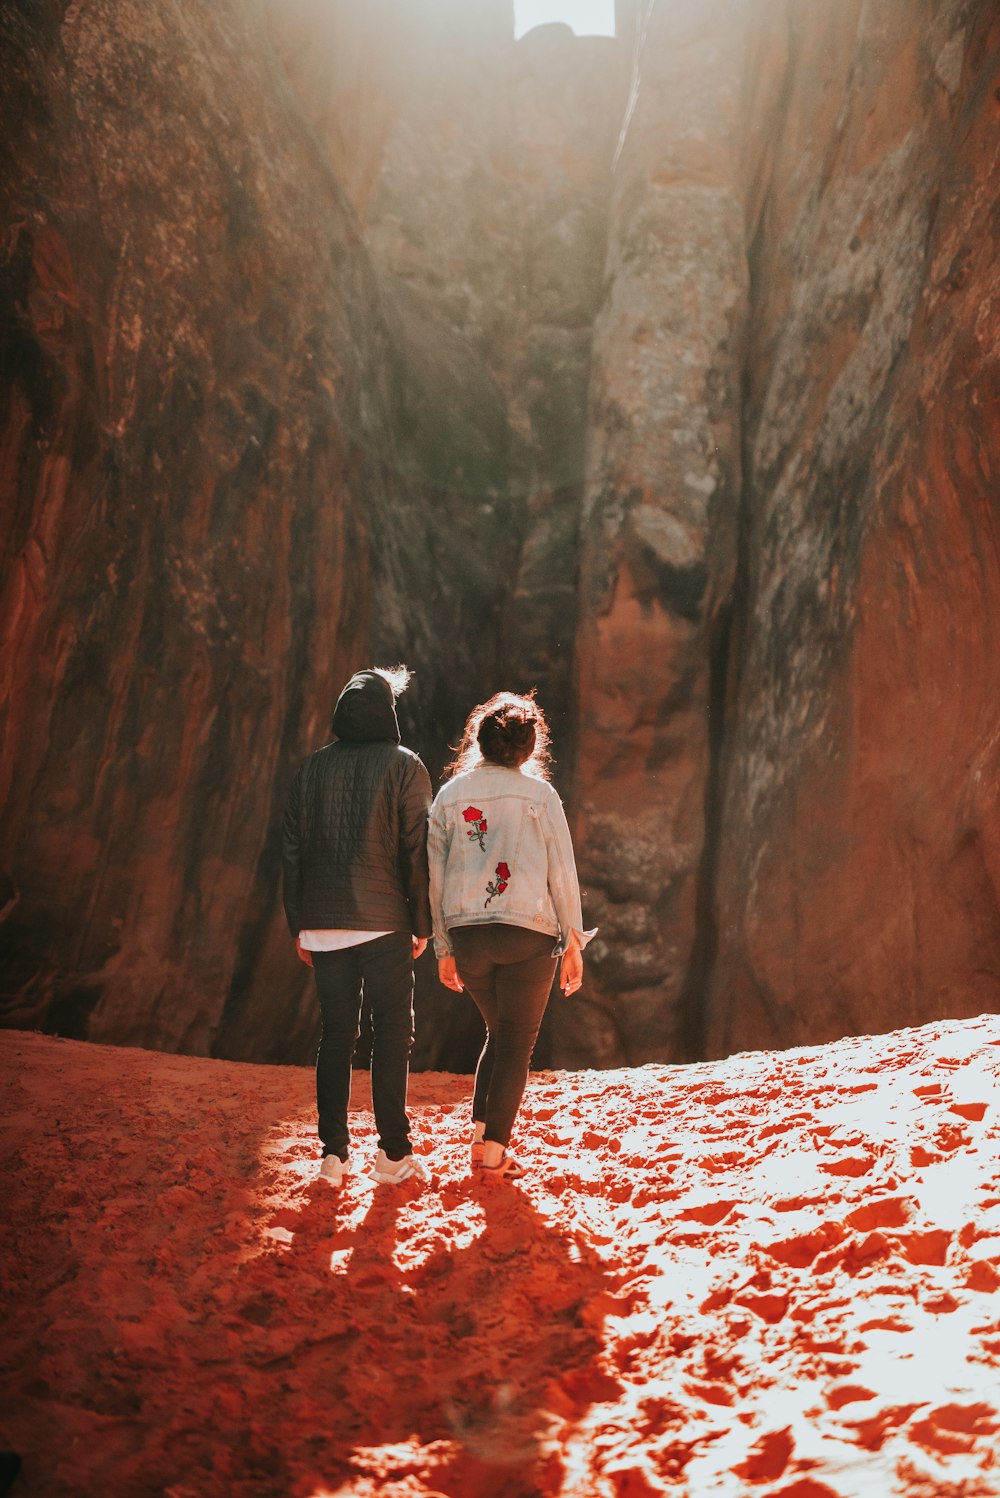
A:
(776, 1274)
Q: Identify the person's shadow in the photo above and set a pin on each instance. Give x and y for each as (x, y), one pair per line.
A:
(527, 1299)
(475, 1345)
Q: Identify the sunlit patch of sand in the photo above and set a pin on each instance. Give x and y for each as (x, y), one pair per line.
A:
(776, 1274)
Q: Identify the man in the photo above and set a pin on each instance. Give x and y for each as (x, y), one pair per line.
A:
(356, 900)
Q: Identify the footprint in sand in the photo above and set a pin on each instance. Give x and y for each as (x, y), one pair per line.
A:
(721, 1395)
(707, 1213)
(803, 1249)
(842, 1394)
(769, 1458)
(885, 1324)
(947, 1138)
(973, 1112)
(855, 1155)
(803, 1487)
(956, 1429)
(857, 1164)
(928, 1247)
(882, 1212)
(870, 1431)
(784, 1127)
(932, 1092)
(769, 1305)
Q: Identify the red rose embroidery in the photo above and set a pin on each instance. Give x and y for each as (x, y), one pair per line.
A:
(478, 829)
(498, 885)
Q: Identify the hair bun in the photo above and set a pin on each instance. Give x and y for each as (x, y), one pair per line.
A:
(508, 730)
(507, 735)
(520, 729)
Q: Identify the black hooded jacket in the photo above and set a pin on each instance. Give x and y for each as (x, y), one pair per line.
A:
(355, 829)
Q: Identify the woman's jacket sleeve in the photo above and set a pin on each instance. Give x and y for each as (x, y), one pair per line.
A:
(564, 886)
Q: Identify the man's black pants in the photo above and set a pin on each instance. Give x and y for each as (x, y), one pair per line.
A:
(382, 972)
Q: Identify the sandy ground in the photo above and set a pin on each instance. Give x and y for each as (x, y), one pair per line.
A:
(772, 1275)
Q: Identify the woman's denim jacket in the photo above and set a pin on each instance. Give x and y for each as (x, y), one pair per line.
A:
(500, 850)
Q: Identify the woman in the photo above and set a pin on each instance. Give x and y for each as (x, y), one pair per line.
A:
(503, 885)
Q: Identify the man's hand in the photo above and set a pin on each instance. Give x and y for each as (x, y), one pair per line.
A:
(419, 946)
(448, 974)
(571, 968)
(304, 956)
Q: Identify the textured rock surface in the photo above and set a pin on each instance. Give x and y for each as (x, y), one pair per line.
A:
(487, 222)
(188, 321)
(485, 216)
(859, 860)
(241, 451)
(568, 95)
(658, 544)
(217, 500)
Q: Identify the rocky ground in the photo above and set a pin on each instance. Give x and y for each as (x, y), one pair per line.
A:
(775, 1274)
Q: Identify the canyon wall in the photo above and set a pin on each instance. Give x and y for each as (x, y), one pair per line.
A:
(295, 378)
(660, 372)
(859, 846)
(485, 213)
(192, 352)
(788, 546)
(659, 523)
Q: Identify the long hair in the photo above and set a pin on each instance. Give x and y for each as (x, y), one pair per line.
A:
(507, 730)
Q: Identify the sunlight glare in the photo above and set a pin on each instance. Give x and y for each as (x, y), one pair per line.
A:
(586, 17)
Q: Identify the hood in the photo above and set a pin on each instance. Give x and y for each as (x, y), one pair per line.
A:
(366, 710)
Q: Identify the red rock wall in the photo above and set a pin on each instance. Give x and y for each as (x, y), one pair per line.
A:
(187, 313)
(659, 525)
(486, 221)
(246, 452)
(859, 857)
(334, 332)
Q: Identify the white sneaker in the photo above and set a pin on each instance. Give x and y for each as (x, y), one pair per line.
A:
(333, 1169)
(391, 1172)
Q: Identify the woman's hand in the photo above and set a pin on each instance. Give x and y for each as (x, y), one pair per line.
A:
(419, 946)
(571, 968)
(448, 974)
(304, 956)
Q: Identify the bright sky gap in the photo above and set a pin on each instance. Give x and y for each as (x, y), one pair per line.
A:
(587, 17)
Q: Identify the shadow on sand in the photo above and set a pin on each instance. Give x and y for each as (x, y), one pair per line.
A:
(463, 1339)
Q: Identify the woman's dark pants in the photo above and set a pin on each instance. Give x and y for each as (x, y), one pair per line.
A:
(508, 970)
(382, 972)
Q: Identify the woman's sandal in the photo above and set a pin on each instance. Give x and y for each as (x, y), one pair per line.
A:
(508, 1167)
(478, 1150)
